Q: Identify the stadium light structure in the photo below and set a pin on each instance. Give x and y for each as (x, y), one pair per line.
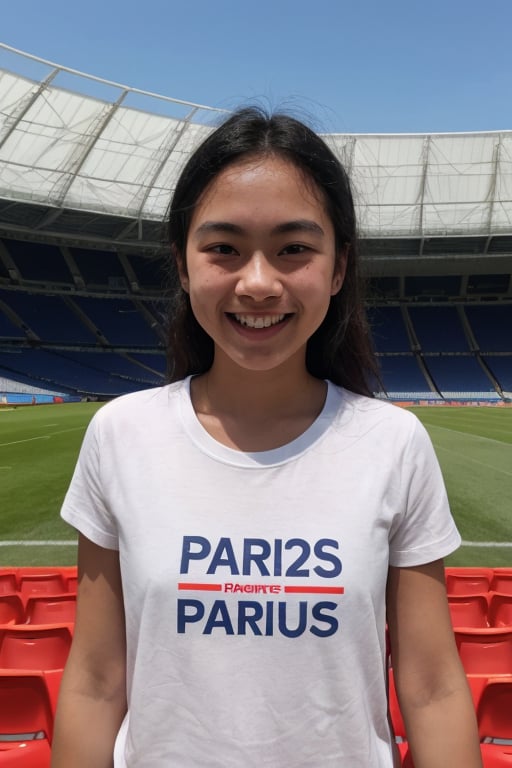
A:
(87, 161)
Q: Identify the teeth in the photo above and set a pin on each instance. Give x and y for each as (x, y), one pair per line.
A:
(259, 321)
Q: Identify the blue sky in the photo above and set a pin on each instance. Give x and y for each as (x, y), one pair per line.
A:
(358, 67)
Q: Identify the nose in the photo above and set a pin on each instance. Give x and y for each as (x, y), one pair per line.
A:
(259, 279)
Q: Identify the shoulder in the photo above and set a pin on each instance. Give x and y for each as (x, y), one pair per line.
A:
(143, 401)
(139, 412)
(378, 423)
(374, 410)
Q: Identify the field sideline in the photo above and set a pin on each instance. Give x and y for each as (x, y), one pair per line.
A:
(39, 446)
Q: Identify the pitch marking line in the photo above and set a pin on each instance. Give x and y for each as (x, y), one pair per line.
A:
(48, 543)
(41, 437)
(487, 544)
(65, 543)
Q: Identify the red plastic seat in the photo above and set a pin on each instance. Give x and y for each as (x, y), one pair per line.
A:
(502, 581)
(496, 756)
(11, 609)
(8, 582)
(51, 609)
(34, 647)
(468, 581)
(394, 710)
(25, 754)
(26, 720)
(41, 584)
(477, 684)
(485, 651)
(494, 712)
(493, 756)
(500, 610)
(53, 679)
(72, 584)
(468, 610)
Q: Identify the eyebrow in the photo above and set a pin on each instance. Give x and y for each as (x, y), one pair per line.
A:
(297, 225)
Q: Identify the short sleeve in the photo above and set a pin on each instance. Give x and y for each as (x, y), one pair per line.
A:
(425, 530)
(85, 506)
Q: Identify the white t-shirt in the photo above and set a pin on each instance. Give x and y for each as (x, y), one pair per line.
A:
(254, 583)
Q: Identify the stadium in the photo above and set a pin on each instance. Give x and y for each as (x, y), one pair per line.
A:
(87, 167)
(84, 186)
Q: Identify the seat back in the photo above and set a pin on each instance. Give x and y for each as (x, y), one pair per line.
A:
(500, 610)
(494, 712)
(11, 609)
(51, 609)
(41, 584)
(8, 582)
(25, 710)
(502, 581)
(468, 581)
(34, 647)
(496, 756)
(485, 651)
(468, 610)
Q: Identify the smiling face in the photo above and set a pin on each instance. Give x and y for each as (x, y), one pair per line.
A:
(260, 264)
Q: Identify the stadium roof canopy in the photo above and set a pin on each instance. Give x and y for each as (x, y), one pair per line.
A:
(82, 154)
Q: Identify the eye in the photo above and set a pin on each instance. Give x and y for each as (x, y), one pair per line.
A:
(223, 249)
(295, 249)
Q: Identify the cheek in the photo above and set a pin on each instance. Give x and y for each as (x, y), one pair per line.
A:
(204, 296)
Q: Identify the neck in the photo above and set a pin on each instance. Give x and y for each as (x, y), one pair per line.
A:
(237, 391)
(257, 410)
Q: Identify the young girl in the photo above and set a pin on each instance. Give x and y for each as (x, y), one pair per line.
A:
(247, 530)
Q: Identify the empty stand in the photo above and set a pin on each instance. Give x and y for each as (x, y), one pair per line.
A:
(41, 262)
(36, 628)
(402, 373)
(49, 317)
(501, 368)
(119, 320)
(456, 373)
(388, 329)
(98, 267)
(491, 326)
(438, 329)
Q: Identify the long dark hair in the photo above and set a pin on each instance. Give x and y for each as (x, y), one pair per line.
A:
(341, 349)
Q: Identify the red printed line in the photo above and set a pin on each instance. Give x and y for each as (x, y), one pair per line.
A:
(315, 590)
(205, 587)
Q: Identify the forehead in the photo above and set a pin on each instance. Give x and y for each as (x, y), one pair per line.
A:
(264, 185)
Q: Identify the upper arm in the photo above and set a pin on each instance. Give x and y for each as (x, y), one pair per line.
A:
(98, 654)
(423, 649)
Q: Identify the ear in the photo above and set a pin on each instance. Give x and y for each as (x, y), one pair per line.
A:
(340, 269)
(182, 269)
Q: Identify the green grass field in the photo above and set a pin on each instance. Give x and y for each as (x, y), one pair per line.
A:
(39, 446)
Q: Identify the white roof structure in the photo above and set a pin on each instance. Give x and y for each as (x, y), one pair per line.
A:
(66, 149)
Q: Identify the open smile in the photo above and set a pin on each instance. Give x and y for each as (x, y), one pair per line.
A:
(261, 326)
(258, 321)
